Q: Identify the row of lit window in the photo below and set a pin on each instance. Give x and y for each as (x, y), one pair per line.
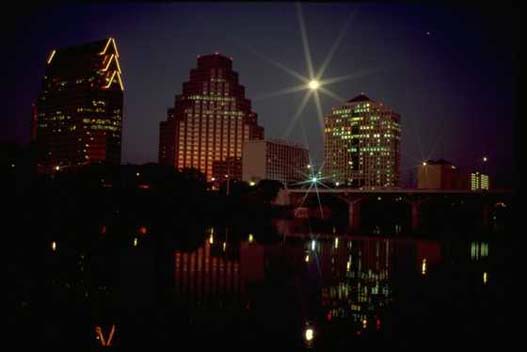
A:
(214, 116)
(57, 118)
(213, 98)
(107, 128)
(213, 93)
(101, 122)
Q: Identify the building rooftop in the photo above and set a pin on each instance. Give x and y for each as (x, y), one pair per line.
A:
(439, 162)
(360, 97)
(86, 48)
(277, 141)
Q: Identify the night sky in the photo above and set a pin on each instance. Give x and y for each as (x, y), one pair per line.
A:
(449, 71)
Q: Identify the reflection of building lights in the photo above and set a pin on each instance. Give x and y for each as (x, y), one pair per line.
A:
(251, 238)
(336, 242)
(485, 277)
(364, 323)
(53, 246)
(135, 242)
(100, 337)
(307, 258)
(313, 243)
(211, 239)
(348, 266)
(224, 246)
(423, 267)
(309, 334)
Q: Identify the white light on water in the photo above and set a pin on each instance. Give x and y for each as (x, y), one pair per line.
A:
(309, 334)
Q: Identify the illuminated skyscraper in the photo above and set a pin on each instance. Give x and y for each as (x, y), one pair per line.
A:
(78, 114)
(362, 144)
(210, 120)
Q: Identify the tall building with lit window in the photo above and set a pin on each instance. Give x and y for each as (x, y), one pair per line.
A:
(362, 144)
(210, 120)
(78, 115)
(274, 160)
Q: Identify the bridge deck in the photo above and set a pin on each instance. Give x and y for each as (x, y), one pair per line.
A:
(397, 191)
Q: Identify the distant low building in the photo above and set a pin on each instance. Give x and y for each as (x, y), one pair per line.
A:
(479, 181)
(274, 160)
(439, 174)
(228, 168)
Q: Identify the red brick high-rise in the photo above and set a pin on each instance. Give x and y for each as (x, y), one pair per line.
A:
(210, 120)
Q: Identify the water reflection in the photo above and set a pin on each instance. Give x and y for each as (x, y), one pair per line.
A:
(332, 287)
(301, 290)
(335, 279)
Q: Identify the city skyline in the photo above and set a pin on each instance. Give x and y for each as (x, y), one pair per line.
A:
(423, 67)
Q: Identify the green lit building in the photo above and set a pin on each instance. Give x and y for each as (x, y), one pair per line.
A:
(77, 118)
(479, 181)
(362, 144)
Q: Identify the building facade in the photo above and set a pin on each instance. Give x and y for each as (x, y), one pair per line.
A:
(274, 160)
(362, 144)
(210, 120)
(78, 115)
(230, 168)
(439, 174)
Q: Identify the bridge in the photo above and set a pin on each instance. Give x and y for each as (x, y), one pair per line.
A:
(482, 204)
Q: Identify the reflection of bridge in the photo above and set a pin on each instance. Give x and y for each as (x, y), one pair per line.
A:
(485, 201)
